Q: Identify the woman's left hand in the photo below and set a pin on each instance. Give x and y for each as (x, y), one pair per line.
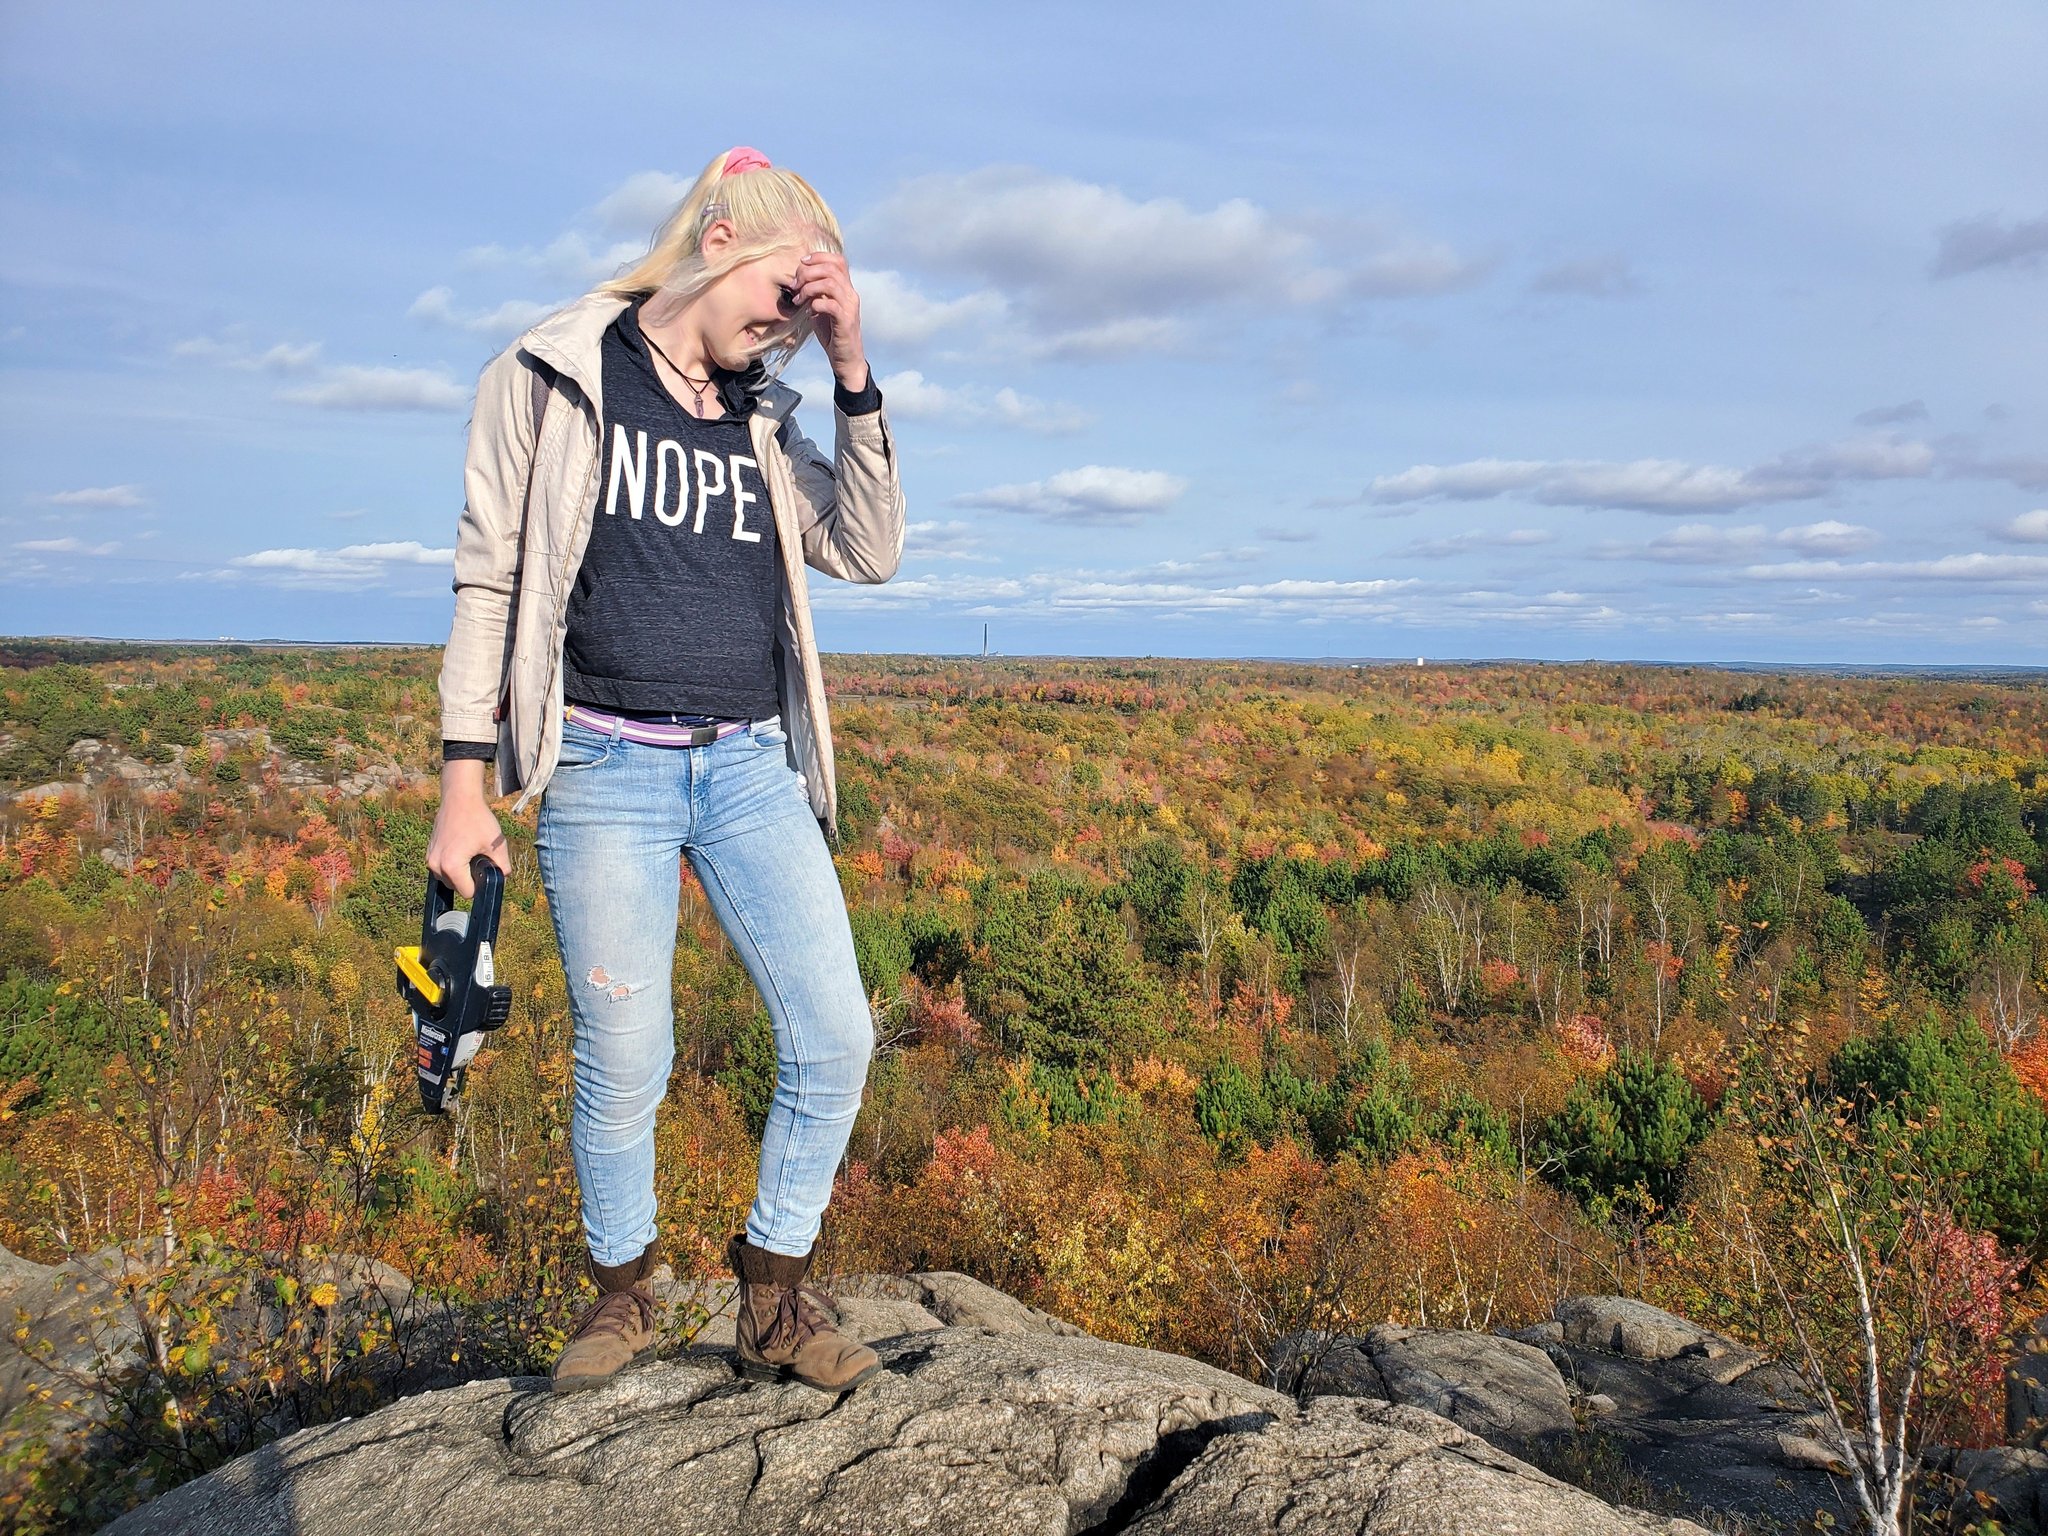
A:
(824, 287)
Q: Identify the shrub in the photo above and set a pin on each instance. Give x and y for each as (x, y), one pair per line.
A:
(1627, 1131)
(1967, 1120)
(385, 904)
(1232, 1111)
(1054, 975)
(1156, 883)
(1459, 1121)
(750, 1068)
(882, 949)
(51, 1033)
(939, 948)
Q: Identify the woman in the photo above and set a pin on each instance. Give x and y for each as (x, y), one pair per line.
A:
(632, 644)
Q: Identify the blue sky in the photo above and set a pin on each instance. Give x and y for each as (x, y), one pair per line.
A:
(1672, 331)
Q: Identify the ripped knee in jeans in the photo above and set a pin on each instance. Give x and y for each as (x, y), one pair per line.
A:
(614, 991)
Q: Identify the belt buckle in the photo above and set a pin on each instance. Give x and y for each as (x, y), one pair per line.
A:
(703, 735)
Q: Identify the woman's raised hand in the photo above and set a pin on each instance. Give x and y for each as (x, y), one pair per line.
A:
(464, 827)
(825, 288)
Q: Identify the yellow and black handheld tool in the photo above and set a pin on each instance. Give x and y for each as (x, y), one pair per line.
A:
(450, 980)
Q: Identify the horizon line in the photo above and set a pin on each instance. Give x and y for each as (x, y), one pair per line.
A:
(1327, 659)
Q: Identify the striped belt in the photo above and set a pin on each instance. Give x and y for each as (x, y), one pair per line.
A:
(672, 732)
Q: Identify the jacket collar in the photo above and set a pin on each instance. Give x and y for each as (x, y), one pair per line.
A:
(571, 341)
(776, 401)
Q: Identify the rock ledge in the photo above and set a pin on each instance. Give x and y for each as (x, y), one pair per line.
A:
(967, 1430)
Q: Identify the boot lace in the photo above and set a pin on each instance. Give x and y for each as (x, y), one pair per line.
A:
(619, 1314)
(797, 1318)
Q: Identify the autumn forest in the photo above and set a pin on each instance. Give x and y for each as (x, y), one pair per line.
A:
(1214, 1002)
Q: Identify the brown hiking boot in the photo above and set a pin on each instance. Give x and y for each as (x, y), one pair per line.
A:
(781, 1333)
(613, 1331)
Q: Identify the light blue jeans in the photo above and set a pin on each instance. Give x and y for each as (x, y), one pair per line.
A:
(615, 820)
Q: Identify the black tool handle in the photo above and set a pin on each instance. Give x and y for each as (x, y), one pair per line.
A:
(489, 883)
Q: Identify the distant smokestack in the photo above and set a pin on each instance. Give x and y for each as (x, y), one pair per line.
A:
(984, 642)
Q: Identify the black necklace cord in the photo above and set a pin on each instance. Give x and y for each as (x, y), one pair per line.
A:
(697, 387)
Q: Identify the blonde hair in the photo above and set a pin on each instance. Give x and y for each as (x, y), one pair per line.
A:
(769, 208)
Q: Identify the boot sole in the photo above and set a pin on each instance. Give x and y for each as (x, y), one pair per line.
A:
(762, 1371)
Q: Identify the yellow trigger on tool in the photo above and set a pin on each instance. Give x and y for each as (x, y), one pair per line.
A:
(408, 958)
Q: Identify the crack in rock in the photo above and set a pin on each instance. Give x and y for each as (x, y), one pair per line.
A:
(1154, 1472)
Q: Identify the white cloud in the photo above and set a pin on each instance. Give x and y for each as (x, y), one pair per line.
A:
(1869, 458)
(640, 203)
(67, 547)
(942, 541)
(1711, 544)
(231, 349)
(1093, 494)
(1110, 338)
(99, 496)
(1208, 560)
(1174, 591)
(1650, 484)
(1283, 596)
(394, 552)
(1072, 594)
(1976, 245)
(1827, 537)
(437, 306)
(896, 312)
(1657, 485)
(352, 566)
(1080, 249)
(914, 397)
(1695, 543)
(575, 260)
(1814, 595)
(348, 388)
(1489, 605)
(1404, 267)
(1477, 540)
(2028, 527)
(1473, 480)
(1743, 618)
(1015, 410)
(600, 242)
(911, 395)
(382, 389)
(1966, 567)
(1087, 270)
(2027, 471)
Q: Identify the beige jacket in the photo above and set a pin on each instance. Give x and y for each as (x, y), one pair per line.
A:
(523, 535)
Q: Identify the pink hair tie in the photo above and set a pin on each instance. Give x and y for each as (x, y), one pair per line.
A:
(741, 158)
